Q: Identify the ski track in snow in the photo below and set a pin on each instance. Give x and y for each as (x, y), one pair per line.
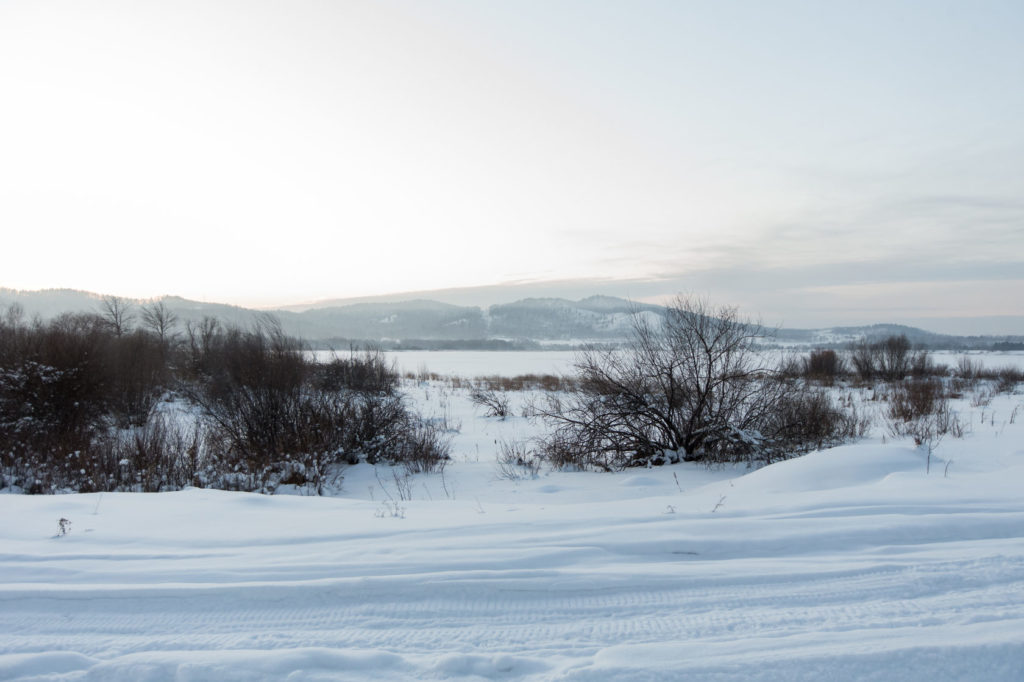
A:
(499, 600)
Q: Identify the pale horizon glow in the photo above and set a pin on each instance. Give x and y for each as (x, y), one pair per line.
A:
(807, 162)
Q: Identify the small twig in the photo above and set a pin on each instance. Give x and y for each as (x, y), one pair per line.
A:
(444, 485)
(376, 473)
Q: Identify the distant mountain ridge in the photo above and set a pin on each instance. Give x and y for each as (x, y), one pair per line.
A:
(429, 323)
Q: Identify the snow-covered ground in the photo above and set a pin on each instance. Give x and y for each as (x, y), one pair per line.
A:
(849, 564)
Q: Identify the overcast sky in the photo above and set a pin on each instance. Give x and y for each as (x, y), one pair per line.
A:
(814, 163)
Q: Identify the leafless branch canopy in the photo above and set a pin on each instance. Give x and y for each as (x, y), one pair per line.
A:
(690, 387)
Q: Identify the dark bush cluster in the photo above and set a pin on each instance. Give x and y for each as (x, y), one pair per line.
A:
(916, 398)
(80, 407)
(277, 417)
(808, 419)
(824, 365)
(520, 382)
(64, 386)
(525, 382)
(890, 359)
(920, 409)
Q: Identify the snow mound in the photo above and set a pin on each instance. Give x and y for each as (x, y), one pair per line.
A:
(14, 666)
(249, 664)
(641, 481)
(841, 467)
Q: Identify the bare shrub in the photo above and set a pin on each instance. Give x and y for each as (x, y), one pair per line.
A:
(137, 374)
(805, 420)
(494, 403)
(920, 409)
(982, 397)
(999, 380)
(423, 375)
(564, 452)
(281, 418)
(524, 382)
(1007, 379)
(422, 449)
(42, 425)
(161, 454)
(693, 389)
(916, 398)
(366, 371)
(252, 391)
(201, 342)
(928, 430)
(968, 369)
(78, 398)
(377, 427)
(790, 367)
(516, 461)
(62, 386)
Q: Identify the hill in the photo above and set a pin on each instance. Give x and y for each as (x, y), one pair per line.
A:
(424, 323)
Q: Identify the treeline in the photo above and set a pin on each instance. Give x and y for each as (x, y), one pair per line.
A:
(443, 344)
(125, 400)
(894, 359)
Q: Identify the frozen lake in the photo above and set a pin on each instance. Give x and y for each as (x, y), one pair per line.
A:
(485, 363)
(513, 363)
(479, 362)
(988, 360)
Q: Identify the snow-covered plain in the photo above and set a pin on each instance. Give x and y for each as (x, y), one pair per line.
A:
(848, 564)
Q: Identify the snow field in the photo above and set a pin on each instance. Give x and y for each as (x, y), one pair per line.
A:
(849, 564)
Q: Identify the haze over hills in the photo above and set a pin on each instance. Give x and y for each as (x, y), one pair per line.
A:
(424, 323)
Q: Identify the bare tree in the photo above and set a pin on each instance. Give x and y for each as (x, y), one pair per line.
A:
(14, 315)
(201, 337)
(160, 320)
(116, 312)
(894, 357)
(692, 388)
